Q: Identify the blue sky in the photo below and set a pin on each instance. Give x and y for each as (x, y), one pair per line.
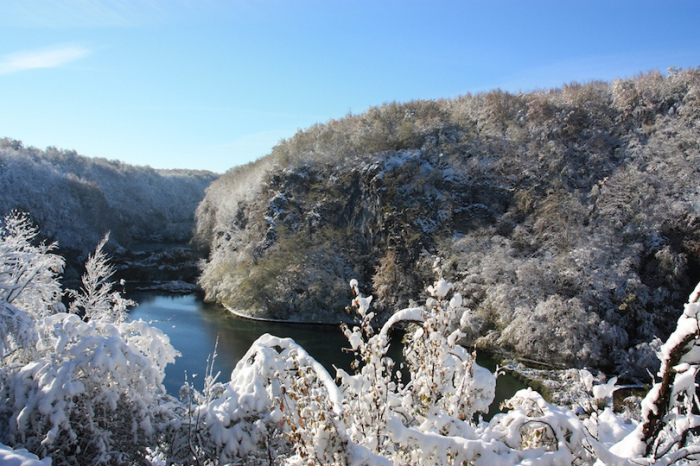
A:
(214, 84)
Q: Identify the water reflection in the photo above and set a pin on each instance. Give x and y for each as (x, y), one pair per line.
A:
(194, 326)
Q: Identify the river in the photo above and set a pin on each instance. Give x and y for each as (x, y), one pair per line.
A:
(194, 327)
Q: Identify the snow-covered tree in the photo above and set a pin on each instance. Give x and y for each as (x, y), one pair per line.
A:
(30, 270)
(97, 300)
(670, 427)
(84, 390)
(76, 199)
(29, 285)
(573, 209)
(87, 388)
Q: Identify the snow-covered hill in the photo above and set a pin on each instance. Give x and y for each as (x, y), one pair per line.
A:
(567, 218)
(76, 200)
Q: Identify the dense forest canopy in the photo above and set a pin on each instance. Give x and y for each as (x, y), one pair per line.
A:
(567, 218)
(75, 200)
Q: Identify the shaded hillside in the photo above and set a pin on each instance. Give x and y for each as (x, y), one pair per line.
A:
(568, 218)
(76, 200)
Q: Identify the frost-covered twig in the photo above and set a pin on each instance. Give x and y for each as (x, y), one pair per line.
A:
(676, 393)
(97, 300)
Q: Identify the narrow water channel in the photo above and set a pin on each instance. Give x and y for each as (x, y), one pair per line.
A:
(194, 327)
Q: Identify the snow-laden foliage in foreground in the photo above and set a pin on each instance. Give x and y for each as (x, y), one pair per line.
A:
(85, 387)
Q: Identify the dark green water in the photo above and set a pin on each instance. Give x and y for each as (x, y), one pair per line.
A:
(194, 326)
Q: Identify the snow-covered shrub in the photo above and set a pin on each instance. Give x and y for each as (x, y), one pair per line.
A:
(444, 377)
(445, 388)
(372, 384)
(429, 420)
(78, 390)
(97, 300)
(29, 286)
(315, 429)
(279, 403)
(93, 395)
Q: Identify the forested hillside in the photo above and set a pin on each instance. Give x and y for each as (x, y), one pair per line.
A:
(567, 218)
(80, 383)
(76, 200)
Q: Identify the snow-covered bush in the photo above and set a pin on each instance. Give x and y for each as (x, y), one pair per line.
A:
(97, 300)
(29, 286)
(278, 400)
(86, 387)
(80, 390)
(429, 420)
(93, 394)
(444, 377)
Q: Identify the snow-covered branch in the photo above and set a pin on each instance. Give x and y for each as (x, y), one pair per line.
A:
(88, 387)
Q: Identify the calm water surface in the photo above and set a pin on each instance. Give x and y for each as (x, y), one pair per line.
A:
(194, 326)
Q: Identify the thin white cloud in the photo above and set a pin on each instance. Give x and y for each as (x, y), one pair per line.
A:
(45, 58)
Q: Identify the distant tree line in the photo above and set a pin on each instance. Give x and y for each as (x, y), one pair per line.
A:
(76, 200)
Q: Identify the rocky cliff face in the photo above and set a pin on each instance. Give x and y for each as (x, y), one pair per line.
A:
(310, 229)
(567, 218)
